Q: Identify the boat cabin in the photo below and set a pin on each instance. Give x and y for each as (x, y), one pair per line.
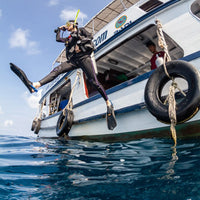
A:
(121, 32)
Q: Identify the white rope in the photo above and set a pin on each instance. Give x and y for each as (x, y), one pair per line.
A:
(171, 97)
(172, 111)
(69, 106)
(41, 111)
(36, 119)
(162, 44)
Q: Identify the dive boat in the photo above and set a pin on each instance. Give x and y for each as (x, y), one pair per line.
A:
(121, 31)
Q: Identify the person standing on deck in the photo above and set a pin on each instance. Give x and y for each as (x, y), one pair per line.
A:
(157, 58)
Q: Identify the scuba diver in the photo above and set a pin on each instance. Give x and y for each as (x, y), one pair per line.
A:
(79, 47)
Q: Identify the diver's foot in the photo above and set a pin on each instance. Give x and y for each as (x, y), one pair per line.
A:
(35, 86)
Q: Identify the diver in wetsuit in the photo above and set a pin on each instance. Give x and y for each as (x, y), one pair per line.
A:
(79, 47)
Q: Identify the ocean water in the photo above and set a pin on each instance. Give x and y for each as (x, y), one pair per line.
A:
(148, 169)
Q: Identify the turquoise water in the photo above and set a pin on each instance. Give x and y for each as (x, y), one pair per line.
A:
(146, 169)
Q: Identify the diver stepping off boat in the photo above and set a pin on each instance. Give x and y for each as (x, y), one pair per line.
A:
(79, 47)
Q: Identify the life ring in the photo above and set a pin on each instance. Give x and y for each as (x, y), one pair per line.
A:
(64, 123)
(188, 106)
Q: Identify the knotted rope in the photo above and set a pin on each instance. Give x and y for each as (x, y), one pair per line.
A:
(39, 115)
(41, 109)
(162, 44)
(69, 106)
(172, 110)
(171, 97)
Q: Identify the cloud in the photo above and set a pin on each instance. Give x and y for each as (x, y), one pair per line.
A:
(0, 13)
(8, 123)
(68, 14)
(33, 99)
(53, 2)
(19, 39)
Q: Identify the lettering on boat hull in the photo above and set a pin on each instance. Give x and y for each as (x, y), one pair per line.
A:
(101, 38)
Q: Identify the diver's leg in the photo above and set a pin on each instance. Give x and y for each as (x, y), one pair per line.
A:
(88, 68)
(62, 68)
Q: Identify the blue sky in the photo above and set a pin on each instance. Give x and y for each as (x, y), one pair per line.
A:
(27, 39)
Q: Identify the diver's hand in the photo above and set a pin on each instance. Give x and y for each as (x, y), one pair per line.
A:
(63, 28)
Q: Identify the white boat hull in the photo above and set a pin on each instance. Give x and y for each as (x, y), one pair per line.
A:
(136, 124)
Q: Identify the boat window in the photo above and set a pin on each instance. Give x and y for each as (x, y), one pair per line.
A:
(131, 58)
(151, 4)
(59, 98)
(195, 8)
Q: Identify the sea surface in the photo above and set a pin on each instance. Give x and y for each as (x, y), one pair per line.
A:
(144, 169)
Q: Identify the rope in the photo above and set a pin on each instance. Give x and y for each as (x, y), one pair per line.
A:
(40, 113)
(172, 110)
(69, 106)
(162, 44)
(40, 116)
(161, 40)
(171, 97)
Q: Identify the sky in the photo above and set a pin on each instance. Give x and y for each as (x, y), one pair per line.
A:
(27, 39)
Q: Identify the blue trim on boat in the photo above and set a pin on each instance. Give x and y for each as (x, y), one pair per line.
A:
(191, 57)
(103, 115)
(139, 20)
(119, 111)
(53, 115)
(117, 88)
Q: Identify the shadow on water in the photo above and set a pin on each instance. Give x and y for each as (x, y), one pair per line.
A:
(141, 169)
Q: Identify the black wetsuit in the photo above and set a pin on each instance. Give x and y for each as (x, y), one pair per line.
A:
(77, 60)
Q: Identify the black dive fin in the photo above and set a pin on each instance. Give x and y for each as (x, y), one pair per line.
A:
(23, 77)
(110, 117)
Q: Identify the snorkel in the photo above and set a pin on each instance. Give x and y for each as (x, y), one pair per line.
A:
(76, 17)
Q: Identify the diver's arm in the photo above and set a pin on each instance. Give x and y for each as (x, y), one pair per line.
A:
(58, 38)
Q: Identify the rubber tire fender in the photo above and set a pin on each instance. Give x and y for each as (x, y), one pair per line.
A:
(37, 126)
(64, 123)
(34, 123)
(188, 106)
